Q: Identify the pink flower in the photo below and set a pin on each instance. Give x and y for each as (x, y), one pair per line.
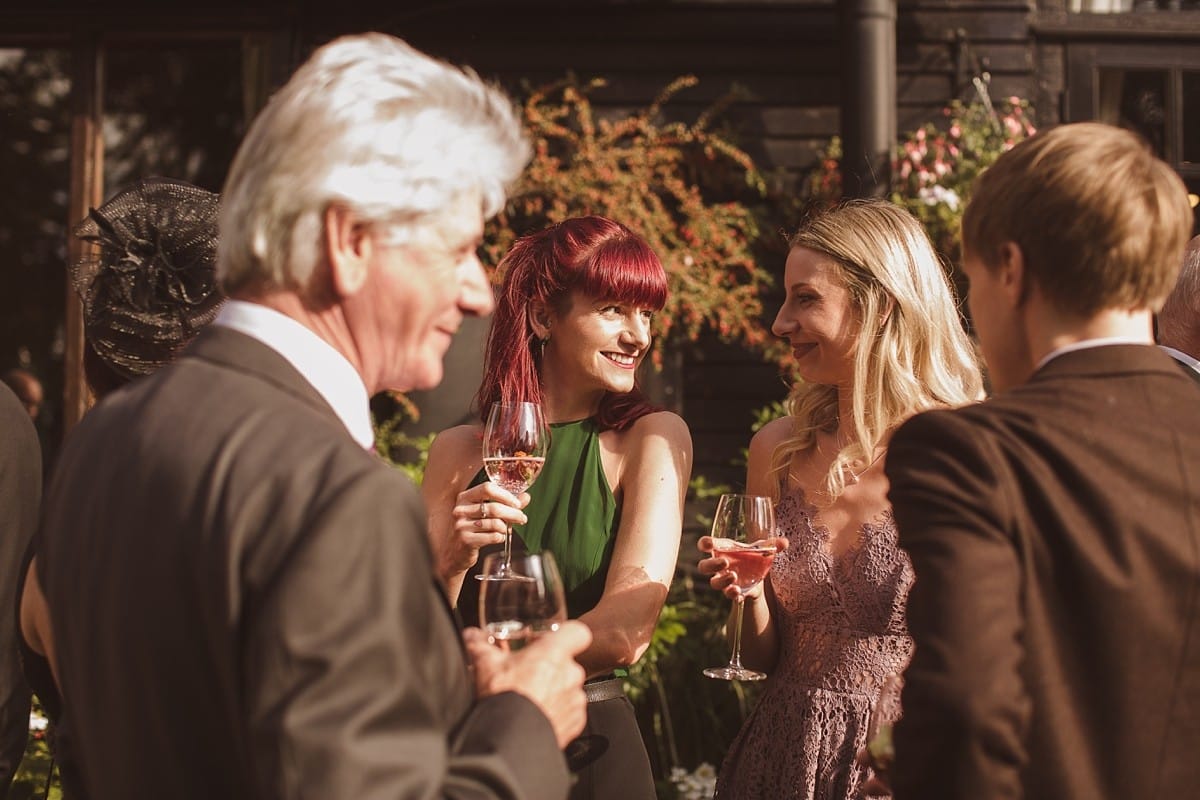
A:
(1013, 126)
(956, 131)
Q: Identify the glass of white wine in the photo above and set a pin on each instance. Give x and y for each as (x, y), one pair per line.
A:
(515, 441)
(524, 601)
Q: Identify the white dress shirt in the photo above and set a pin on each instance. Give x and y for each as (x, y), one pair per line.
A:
(1181, 357)
(1086, 344)
(324, 367)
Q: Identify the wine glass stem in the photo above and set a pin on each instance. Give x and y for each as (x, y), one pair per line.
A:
(735, 660)
(507, 546)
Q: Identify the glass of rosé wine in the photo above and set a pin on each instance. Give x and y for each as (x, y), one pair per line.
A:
(515, 441)
(525, 604)
(742, 530)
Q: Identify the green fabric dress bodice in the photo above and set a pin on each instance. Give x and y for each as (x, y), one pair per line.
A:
(572, 513)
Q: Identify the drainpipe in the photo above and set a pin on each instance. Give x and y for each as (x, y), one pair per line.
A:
(868, 122)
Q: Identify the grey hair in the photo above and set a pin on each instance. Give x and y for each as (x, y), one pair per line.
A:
(1179, 320)
(373, 124)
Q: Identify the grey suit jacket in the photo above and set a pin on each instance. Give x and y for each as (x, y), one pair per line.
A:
(1055, 535)
(244, 605)
(20, 503)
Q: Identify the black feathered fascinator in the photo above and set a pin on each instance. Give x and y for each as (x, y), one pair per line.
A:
(152, 286)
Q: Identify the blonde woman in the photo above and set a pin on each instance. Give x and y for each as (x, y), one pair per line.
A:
(876, 337)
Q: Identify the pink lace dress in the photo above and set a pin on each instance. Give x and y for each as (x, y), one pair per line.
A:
(841, 631)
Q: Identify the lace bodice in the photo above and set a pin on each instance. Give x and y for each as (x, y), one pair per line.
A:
(842, 619)
(841, 629)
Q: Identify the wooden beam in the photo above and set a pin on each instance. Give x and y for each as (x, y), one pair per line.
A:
(87, 186)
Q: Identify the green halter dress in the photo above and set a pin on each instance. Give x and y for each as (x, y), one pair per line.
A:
(573, 513)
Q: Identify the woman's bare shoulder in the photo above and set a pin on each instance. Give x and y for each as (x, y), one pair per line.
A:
(773, 433)
(661, 423)
(457, 445)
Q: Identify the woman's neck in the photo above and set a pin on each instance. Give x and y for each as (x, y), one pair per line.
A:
(567, 406)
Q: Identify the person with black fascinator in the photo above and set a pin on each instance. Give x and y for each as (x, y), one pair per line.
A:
(151, 285)
(147, 290)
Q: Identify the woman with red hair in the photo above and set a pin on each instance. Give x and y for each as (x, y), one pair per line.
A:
(572, 324)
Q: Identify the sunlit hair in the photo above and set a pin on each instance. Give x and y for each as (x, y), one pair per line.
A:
(372, 124)
(1179, 320)
(911, 352)
(1100, 220)
(594, 256)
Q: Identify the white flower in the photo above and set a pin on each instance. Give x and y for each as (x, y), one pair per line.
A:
(698, 785)
(939, 195)
(37, 722)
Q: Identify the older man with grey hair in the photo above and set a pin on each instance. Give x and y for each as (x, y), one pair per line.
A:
(241, 593)
(1179, 320)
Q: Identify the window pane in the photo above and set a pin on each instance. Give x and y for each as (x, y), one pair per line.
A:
(1191, 117)
(35, 138)
(1136, 99)
(174, 111)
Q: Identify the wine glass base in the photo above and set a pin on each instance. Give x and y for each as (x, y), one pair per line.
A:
(734, 674)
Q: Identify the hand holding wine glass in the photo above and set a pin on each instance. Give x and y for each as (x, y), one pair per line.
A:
(743, 538)
(515, 441)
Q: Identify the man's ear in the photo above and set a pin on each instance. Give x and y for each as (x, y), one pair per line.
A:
(348, 247)
(539, 319)
(1013, 277)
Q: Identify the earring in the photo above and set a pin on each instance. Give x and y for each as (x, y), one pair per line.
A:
(542, 345)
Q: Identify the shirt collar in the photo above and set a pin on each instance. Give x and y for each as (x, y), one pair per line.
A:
(1179, 355)
(334, 378)
(1085, 345)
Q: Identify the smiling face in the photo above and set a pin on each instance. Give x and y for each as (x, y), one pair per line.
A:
(818, 318)
(595, 346)
(419, 291)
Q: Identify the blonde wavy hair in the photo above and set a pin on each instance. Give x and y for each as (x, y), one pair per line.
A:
(911, 352)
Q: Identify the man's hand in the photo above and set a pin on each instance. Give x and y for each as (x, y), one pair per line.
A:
(545, 671)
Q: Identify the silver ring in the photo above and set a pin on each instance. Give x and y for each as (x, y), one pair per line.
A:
(482, 510)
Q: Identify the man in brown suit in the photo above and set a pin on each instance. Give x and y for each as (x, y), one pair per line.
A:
(241, 593)
(1055, 528)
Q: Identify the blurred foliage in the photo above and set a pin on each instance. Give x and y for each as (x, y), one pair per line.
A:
(693, 194)
(36, 775)
(934, 166)
(392, 412)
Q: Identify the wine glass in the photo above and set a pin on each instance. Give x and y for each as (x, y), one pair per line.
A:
(515, 442)
(524, 601)
(884, 714)
(742, 530)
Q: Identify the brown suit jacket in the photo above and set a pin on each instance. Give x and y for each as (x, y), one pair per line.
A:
(1055, 535)
(244, 605)
(20, 503)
